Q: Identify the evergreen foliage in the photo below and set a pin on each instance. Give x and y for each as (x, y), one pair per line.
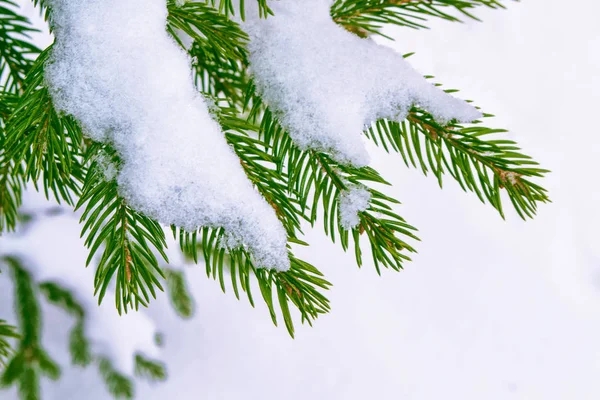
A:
(40, 147)
(7, 332)
(30, 360)
(180, 297)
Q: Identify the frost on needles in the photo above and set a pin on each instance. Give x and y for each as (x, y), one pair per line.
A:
(116, 70)
(326, 83)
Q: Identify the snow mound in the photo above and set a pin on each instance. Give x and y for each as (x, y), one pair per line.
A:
(117, 71)
(326, 83)
(351, 202)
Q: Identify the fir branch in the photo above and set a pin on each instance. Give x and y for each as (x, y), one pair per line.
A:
(299, 285)
(388, 233)
(472, 155)
(7, 332)
(129, 239)
(11, 175)
(30, 360)
(178, 292)
(218, 49)
(365, 17)
(316, 182)
(62, 298)
(47, 146)
(227, 7)
(150, 370)
(262, 168)
(79, 346)
(202, 23)
(16, 48)
(118, 385)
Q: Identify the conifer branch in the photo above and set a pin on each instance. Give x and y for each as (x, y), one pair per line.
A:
(130, 241)
(11, 175)
(316, 182)
(300, 285)
(477, 160)
(16, 50)
(227, 7)
(303, 172)
(45, 144)
(218, 48)
(7, 332)
(79, 346)
(16, 58)
(178, 292)
(366, 17)
(30, 361)
(151, 370)
(118, 385)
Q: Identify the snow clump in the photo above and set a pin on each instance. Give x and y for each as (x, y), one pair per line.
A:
(353, 201)
(118, 72)
(326, 84)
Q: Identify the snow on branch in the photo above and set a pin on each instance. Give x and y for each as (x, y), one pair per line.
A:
(353, 201)
(326, 84)
(118, 72)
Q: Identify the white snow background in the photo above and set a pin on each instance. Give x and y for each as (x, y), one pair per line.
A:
(487, 310)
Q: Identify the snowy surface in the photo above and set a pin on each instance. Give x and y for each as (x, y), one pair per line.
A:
(326, 83)
(352, 202)
(116, 70)
(488, 309)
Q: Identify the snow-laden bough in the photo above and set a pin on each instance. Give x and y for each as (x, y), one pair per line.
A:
(326, 84)
(118, 72)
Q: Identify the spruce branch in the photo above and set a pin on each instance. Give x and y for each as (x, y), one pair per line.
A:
(45, 10)
(150, 370)
(472, 155)
(79, 346)
(316, 182)
(301, 284)
(218, 48)
(7, 332)
(366, 17)
(202, 23)
(40, 145)
(30, 361)
(45, 144)
(16, 48)
(388, 233)
(178, 292)
(129, 240)
(12, 176)
(118, 385)
(227, 7)
(16, 59)
(262, 168)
